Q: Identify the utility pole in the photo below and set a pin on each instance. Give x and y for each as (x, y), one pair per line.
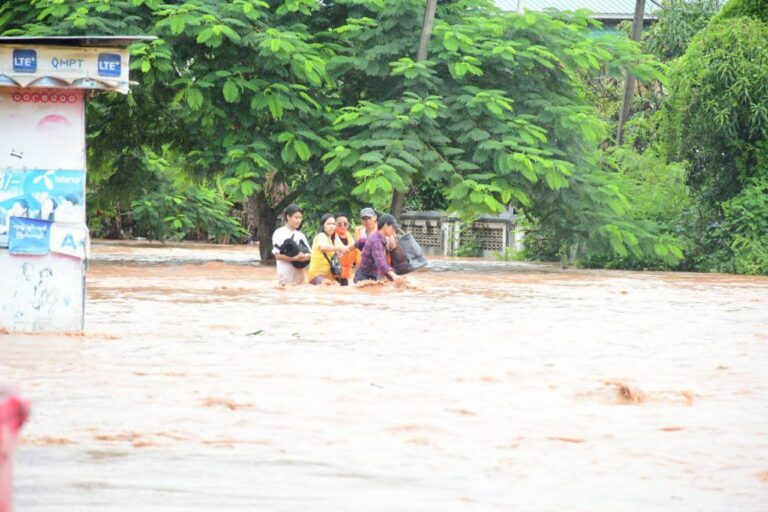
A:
(398, 198)
(629, 81)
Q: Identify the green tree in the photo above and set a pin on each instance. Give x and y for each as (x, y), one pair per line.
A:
(716, 117)
(717, 112)
(281, 98)
(122, 130)
(757, 9)
(254, 92)
(240, 88)
(676, 24)
(496, 117)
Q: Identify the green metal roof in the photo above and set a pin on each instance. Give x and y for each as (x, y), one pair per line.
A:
(602, 9)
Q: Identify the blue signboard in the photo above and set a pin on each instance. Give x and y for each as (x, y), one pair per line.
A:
(29, 236)
(41, 194)
(24, 61)
(109, 64)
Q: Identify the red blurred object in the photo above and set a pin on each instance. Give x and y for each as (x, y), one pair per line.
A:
(13, 413)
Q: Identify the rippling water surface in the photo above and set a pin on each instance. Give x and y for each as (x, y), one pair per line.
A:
(199, 385)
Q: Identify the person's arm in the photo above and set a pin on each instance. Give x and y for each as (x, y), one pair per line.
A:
(275, 243)
(302, 256)
(325, 245)
(391, 242)
(360, 243)
(379, 255)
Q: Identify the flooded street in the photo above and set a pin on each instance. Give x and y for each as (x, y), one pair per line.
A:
(199, 385)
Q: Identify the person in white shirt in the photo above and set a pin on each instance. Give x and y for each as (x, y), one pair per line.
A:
(287, 273)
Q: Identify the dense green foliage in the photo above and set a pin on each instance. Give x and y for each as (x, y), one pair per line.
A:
(749, 8)
(264, 102)
(496, 117)
(716, 118)
(717, 112)
(677, 22)
(659, 195)
(695, 154)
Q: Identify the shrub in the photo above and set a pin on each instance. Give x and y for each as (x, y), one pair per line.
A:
(750, 8)
(659, 195)
(717, 111)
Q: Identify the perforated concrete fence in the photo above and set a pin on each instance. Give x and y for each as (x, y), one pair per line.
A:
(440, 234)
(436, 233)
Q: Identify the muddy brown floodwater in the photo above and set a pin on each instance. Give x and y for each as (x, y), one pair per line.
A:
(483, 386)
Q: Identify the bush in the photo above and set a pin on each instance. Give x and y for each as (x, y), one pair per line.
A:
(717, 111)
(509, 254)
(717, 118)
(750, 8)
(678, 21)
(658, 195)
(469, 244)
(746, 222)
(200, 213)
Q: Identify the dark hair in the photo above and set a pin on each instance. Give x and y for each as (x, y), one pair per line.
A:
(290, 210)
(322, 221)
(23, 203)
(387, 219)
(72, 198)
(342, 214)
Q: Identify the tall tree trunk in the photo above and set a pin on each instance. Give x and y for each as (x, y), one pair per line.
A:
(629, 82)
(426, 30)
(398, 198)
(398, 201)
(265, 226)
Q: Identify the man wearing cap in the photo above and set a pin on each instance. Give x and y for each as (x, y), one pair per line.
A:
(369, 222)
(374, 265)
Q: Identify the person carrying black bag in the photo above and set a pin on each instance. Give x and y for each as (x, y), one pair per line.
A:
(290, 248)
(374, 265)
(324, 265)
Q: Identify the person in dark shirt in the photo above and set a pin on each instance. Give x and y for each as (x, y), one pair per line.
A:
(373, 262)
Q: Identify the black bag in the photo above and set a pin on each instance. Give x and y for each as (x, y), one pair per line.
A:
(407, 256)
(291, 248)
(335, 264)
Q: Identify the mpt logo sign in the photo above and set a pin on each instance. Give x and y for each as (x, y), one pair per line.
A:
(24, 61)
(109, 64)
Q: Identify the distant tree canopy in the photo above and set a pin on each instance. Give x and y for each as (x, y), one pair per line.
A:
(678, 21)
(717, 112)
(716, 118)
(749, 8)
(265, 102)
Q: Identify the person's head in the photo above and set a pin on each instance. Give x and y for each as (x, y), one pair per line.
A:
(28, 269)
(45, 275)
(387, 225)
(47, 207)
(20, 208)
(342, 224)
(327, 224)
(368, 218)
(293, 215)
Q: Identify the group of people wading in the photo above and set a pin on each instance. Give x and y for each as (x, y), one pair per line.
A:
(335, 251)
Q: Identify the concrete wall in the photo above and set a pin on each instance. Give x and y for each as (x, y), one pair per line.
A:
(43, 237)
(41, 293)
(439, 234)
